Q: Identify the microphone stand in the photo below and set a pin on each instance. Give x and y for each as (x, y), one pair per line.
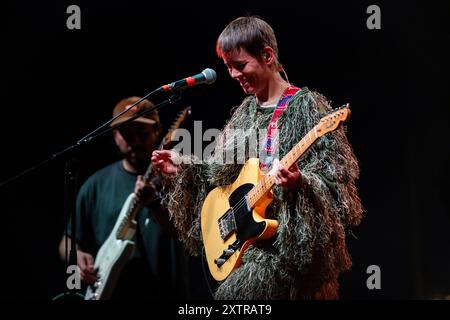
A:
(71, 173)
(70, 191)
(93, 135)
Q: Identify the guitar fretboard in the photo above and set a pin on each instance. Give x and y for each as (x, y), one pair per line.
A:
(267, 182)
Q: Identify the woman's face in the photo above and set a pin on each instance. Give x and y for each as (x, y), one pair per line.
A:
(252, 74)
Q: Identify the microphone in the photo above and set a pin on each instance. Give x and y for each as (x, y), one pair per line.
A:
(207, 76)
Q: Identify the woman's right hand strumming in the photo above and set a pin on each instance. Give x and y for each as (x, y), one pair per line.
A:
(163, 160)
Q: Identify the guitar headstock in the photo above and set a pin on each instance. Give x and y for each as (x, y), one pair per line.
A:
(176, 124)
(331, 121)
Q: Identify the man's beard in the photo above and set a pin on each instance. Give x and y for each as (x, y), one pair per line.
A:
(138, 159)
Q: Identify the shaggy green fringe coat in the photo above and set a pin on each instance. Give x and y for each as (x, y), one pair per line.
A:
(307, 254)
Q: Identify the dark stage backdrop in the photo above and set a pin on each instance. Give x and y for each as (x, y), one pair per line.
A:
(59, 84)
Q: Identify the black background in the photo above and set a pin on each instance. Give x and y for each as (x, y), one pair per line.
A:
(59, 84)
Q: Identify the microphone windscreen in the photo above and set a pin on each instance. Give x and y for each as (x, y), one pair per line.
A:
(210, 75)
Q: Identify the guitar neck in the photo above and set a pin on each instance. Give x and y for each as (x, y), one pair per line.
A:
(267, 182)
(149, 171)
(136, 206)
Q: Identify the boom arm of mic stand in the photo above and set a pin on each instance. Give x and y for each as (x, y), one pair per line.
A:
(171, 100)
(91, 136)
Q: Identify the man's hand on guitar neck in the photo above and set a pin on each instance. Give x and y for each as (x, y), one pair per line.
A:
(146, 191)
(151, 198)
(287, 178)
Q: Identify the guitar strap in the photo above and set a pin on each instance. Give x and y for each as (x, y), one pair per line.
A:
(266, 156)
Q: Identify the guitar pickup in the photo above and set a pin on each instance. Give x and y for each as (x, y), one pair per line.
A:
(227, 224)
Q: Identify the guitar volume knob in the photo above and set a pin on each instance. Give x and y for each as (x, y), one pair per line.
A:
(228, 252)
(219, 261)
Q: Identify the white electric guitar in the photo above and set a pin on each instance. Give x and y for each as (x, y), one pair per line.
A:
(118, 248)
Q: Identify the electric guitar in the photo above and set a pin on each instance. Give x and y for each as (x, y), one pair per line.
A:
(233, 216)
(118, 248)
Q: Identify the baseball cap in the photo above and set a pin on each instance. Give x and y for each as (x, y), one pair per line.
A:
(148, 118)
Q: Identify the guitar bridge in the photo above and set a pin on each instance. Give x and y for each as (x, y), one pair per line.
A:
(227, 224)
